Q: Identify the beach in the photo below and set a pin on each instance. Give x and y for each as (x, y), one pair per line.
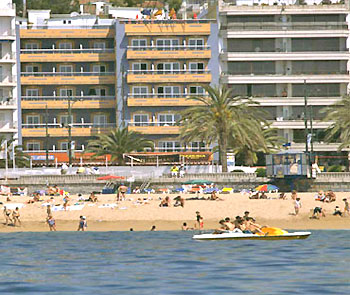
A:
(108, 215)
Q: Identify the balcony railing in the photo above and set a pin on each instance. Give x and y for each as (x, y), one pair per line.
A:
(7, 79)
(167, 21)
(69, 51)
(7, 33)
(155, 124)
(8, 56)
(274, 26)
(162, 95)
(87, 97)
(68, 26)
(168, 48)
(8, 124)
(166, 72)
(53, 74)
(73, 125)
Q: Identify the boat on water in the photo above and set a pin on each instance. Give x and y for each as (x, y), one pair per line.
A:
(269, 233)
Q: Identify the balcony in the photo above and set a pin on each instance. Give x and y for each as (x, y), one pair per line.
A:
(285, 30)
(56, 130)
(83, 32)
(154, 100)
(8, 103)
(67, 55)
(163, 52)
(61, 102)
(282, 56)
(176, 76)
(7, 126)
(8, 81)
(296, 101)
(318, 147)
(67, 78)
(167, 27)
(7, 34)
(154, 127)
(283, 79)
(9, 57)
(8, 10)
(298, 124)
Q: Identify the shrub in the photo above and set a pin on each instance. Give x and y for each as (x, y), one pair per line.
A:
(260, 172)
(237, 170)
(335, 168)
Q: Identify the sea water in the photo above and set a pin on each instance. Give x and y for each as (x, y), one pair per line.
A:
(171, 263)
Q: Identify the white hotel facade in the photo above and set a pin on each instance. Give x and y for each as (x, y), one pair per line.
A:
(8, 72)
(280, 53)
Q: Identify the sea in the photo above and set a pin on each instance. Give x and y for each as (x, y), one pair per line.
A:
(171, 263)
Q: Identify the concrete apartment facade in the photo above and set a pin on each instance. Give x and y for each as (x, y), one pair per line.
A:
(278, 54)
(9, 83)
(67, 67)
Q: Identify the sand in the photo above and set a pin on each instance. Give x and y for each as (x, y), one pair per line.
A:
(128, 214)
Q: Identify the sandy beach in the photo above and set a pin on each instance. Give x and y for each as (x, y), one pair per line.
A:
(129, 214)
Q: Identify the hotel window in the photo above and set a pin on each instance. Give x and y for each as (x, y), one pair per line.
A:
(168, 91)
(33, 120)
(139, 67)
(66, 92)
(99, 68)
(32, 69)
(139, 43)
(66, 69)
(197, 146)
(64, 146)
(140, 91)
(141, 120)
(31, 45)
(166, 44)
(169, 146)
(168, 119)
(197, 67)
(197, 90)
(64, 120)
(196, 43)
(168, 67)
(33, 92)
(100, 120)
(101, 91)
(99, 45)
(65, 45)
(33, 146)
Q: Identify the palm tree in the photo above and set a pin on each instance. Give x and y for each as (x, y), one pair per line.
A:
(338, 113)
(224, 120)
(117, 143)
(21, 159)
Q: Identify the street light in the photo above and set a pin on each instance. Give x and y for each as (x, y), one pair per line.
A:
(308, 137)
(47, 135)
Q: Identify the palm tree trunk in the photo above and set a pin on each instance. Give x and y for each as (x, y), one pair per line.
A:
(223, 152)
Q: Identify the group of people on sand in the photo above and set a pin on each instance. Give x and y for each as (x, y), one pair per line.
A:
(319, 211)
(327, 197)
(245, 224)
(12, 217)
(166, 202)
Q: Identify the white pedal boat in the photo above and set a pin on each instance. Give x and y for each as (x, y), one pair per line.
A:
(273, 234)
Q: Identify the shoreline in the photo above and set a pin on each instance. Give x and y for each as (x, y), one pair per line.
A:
(304, 223)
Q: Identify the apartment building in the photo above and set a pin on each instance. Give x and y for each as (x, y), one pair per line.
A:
(68, 81)
(160, 64)
(9, 84)
(281, 52)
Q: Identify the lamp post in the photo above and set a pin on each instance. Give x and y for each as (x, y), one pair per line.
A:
(305, 120)
(69, 131)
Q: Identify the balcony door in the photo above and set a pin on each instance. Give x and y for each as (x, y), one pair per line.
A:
(167, 44)
(139, 67)
(139, 91)
(196, 67)
(66, 92)
(30, 69)
(167, 119)
(168, 91)
(33, 121)
(168, 67)
(141, 120)
(100, 120)
(99, 68)
(32, 92)
(196, 43)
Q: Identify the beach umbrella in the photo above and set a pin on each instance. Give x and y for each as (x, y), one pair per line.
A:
(266, 188)
(179, 189)
(209, 190)
(227, 189)
(110, 177)
(245, 191)
(198, 181)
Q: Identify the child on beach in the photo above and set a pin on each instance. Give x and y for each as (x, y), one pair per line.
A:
(297, 206)
(294, 195)
(16, 216)
(65, 201)
(337, 211)
(51, 222)
(199, 220)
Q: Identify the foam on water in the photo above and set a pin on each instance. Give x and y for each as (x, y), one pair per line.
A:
(171, 263)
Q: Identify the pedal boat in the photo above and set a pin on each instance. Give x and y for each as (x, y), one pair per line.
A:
(270, 233)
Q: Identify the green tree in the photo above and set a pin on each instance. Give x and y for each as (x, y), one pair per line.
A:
(117, 143)
(231, 122)
(21, 159)
(56, 6)
(339, 130)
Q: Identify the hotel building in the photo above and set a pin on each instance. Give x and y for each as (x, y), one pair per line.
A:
(161, 64)
(279, 53)
(68, 80)
(9, 84)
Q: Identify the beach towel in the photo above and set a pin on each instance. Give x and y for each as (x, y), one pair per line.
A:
(108, 206)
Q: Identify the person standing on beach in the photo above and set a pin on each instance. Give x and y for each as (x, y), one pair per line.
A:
(7, 215)
(122, 189)
(297, 206)
(294, 195)
(16, 217)
(346, 207)
(65, 201)
(48, 210)
(51, 222)
(199, 219)
(82, 224)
